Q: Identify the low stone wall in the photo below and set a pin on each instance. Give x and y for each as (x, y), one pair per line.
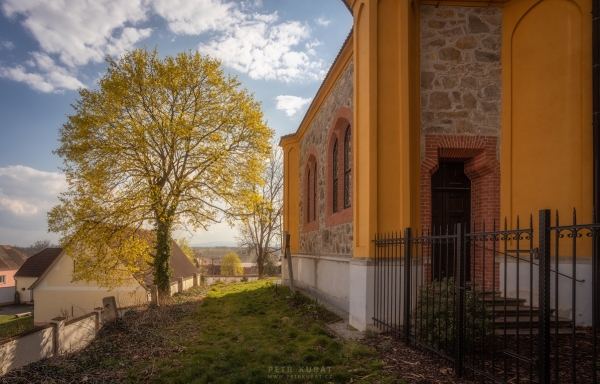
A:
(26, 348)
(210, 280)
(64, 336)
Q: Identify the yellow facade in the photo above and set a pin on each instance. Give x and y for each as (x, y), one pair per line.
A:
(545, 141)
(57, 295)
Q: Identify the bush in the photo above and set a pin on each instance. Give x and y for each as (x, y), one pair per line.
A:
(435, 316)
(231, 265)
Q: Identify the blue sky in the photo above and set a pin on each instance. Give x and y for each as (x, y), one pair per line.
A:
(279, 49)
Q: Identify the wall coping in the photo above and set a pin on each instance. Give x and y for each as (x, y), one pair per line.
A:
(340, 258)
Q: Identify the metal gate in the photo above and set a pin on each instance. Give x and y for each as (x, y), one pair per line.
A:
(521, 317)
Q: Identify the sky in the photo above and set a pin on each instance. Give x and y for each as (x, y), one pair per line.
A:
(279, 49)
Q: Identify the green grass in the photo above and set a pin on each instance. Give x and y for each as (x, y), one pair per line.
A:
(245, 333)
(238, 333)
(11, 326)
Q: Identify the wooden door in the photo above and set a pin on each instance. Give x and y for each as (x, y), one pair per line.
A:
(450, 205)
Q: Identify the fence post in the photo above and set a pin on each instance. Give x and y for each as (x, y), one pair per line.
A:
(407, 285)
(58, 324)
(459, 308)
(544, 300)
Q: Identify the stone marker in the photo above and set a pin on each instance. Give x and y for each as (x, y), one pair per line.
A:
(154, 295)
(110, 308)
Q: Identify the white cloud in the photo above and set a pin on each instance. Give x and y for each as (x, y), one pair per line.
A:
(290, 104)
(193, 17)
(264, 50)
(74, 33)
(322, 21)
(81, 31)
(251, 43)
(48, 78)
(5, 44)
(26, 195)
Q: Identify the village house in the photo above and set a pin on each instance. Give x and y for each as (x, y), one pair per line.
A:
(46, 280)
(10, 261)
(438, 112)
(31, 270)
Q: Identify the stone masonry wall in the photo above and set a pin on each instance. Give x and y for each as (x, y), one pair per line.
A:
(334, 240)
(461, 85)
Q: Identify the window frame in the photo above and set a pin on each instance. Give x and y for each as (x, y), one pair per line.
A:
(336, 212)
(347, 167)
(335, 178)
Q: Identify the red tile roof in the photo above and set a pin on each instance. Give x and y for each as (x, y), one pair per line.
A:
(38, 263)
(10, 258)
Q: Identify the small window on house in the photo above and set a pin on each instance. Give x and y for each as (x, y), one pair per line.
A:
(315, 193)
(347, 167)
(334, 191)
(2, 279)
(308, 197)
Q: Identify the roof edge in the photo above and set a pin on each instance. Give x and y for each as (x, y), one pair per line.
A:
(62, 252)
(347, 52)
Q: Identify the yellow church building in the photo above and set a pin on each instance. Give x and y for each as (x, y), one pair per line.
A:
(437, 112)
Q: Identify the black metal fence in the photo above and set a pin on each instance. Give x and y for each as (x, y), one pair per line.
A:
(503, 305)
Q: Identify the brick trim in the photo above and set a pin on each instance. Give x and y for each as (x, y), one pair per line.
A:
(343, 117)
(311, 164)
(482, 166)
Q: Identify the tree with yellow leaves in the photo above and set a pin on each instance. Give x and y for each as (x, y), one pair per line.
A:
(184, 244)
(231, 265)
(161, 144)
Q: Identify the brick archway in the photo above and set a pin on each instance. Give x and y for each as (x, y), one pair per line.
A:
(482, 166)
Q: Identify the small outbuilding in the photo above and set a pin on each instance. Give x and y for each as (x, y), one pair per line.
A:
(11, 260)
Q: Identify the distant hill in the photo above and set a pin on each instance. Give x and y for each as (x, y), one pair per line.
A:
(217, 252)
(231, 244)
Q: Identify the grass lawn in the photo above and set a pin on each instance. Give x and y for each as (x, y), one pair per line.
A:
(11, 326)
(245, 333)
(238, 333)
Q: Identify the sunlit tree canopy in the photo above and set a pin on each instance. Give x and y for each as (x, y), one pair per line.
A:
(159, 144)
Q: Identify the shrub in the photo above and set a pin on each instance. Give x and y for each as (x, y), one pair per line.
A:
(435, 316)
(231, 265)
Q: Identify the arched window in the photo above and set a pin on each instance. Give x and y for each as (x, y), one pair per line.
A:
(308, 197)
(338, 175)
(315, 194)
(347, 167)
(334, 191)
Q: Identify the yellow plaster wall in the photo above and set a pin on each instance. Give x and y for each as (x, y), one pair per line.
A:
(546, 154)
(365, 117)
(387, 117)
(390, 154)
(291, 190)
(24, 282)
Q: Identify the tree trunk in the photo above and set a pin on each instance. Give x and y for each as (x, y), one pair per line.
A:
(162, 258)
(260, 262)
